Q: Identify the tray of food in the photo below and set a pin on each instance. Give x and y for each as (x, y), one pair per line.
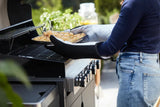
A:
(66, 36)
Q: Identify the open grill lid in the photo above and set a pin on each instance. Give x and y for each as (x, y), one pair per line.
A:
(13, 12)
(17, 35)
(16, 25)
(15, 19)
(18, 12)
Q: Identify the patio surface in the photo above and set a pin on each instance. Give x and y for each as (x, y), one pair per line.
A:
(108, 87)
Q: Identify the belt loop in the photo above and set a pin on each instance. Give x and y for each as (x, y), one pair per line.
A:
(140, 57)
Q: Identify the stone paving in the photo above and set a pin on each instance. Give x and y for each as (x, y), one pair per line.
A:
(108, 87)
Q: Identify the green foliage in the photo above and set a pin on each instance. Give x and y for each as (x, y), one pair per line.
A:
(39, 5)
(50, 4)
(106, 5)
(105, 19)
(11, 69)
(36, 16)
(6, 90)
(60, 20)
(85, 1)
(105, 8)
(3, 98)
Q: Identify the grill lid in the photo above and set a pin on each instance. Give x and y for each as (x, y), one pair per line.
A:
(4, 20)
(18, 12)
(16, 25)
(13, 12)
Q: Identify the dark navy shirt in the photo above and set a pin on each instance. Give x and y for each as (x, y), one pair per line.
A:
(137, 29)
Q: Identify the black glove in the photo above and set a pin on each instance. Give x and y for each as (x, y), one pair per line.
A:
(74, 50)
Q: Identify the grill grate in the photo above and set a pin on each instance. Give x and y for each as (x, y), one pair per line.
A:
(38, 51)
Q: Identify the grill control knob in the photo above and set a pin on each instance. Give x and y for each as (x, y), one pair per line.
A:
(93, 68)
(87, 74)
(83, 81)
(77, 81)
(90, 74)
(98, 64)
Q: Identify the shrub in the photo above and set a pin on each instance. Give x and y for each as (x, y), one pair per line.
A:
(106, 5)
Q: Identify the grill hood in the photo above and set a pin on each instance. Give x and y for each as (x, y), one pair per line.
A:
(13, 12)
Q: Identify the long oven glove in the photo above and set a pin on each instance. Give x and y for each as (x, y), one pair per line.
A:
(94, 33)
(74, 50)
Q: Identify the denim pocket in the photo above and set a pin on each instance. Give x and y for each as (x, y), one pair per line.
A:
(125, 73)
(151, 87)
(127, 65)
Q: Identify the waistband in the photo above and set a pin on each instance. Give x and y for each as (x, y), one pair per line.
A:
(138, 55)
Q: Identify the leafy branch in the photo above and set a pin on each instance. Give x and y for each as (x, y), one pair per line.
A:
(60, 20)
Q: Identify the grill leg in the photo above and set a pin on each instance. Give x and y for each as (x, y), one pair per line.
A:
(62, 93)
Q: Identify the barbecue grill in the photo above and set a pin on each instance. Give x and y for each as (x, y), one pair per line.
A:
(57, 81)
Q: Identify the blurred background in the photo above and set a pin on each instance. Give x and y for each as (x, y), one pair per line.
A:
(107, 10)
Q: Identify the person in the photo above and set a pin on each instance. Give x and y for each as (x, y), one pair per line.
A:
(137, 35)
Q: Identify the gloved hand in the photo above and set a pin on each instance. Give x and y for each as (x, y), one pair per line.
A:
(74, 50)
(94, 33)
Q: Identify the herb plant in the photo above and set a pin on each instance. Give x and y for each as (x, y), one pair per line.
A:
(59, 21)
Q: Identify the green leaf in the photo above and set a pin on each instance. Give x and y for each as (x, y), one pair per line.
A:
(6, 88)
(3, 98)
(61, 20)
(10, 68)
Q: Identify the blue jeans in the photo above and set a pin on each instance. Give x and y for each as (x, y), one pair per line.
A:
(139, 79)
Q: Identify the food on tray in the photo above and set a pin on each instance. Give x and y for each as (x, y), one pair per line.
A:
(66, 36)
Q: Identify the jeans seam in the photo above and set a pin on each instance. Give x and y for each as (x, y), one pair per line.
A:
(131, 87)
(146, 85)
(145, 88)
(147, 65)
